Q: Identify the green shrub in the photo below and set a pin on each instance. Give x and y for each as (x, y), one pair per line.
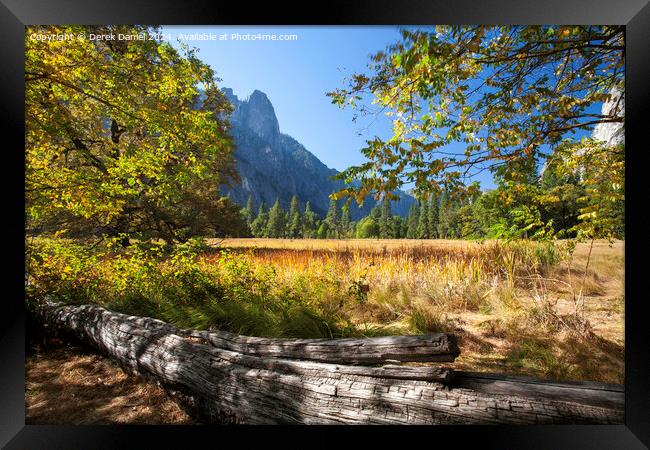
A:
(179, 287)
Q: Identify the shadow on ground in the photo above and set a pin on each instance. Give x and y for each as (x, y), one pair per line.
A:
(68, 384)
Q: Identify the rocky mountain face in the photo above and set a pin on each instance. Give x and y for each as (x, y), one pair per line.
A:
(274, 165)
(613, 133)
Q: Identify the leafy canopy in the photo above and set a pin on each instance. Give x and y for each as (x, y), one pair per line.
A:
(602, 170)
(117, 139)
(501, 94)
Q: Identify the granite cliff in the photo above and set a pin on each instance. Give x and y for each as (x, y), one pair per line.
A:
(275, 165)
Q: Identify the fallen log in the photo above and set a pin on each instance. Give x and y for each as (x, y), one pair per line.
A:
(438, 347)
(245, 388)
(585, 392)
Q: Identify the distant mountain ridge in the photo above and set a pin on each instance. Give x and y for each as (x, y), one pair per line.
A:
(274, 165)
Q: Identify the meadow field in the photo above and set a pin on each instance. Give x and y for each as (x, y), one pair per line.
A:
(546, 309)
(518, 308)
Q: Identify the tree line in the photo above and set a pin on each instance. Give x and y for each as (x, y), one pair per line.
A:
(538, 205)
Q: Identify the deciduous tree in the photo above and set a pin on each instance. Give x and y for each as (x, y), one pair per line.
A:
(499, 94)
(123, 136)
(294, 229)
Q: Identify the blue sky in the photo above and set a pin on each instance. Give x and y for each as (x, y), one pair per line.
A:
(295, 75)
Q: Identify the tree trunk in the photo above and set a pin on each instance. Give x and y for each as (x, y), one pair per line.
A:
(262, 386)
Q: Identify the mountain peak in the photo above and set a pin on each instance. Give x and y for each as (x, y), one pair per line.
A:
(259, 96)
(275, 166)
(256, 113)
(260, 103)
(230, 95)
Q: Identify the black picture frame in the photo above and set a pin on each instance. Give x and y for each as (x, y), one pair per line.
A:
(16, 14)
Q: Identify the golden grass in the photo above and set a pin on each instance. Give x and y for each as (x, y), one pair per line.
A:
(517, 307)
(512, 313)
(372, 245)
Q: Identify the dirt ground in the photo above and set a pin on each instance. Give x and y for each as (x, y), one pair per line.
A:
(67, 384)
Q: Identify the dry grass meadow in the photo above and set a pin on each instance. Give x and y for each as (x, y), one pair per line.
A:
(544, 309)
(518, 308)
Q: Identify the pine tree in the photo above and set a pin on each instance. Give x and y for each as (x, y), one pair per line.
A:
(453, 221)
(423, 222)
(295, 221)
(396, 227)
(323, 231)
(443, 216)
(433, 217)
(384, 223)
(333, 220)
(258, 225)
(345, 221)
(309, 223)
(375, 214)
(277, 221)
(403, 229)
(248, 214)
(412, 222)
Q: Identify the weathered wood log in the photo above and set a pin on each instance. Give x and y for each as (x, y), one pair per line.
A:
(440, 347)
(260, 389)
(431, 347)
(585, 392)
